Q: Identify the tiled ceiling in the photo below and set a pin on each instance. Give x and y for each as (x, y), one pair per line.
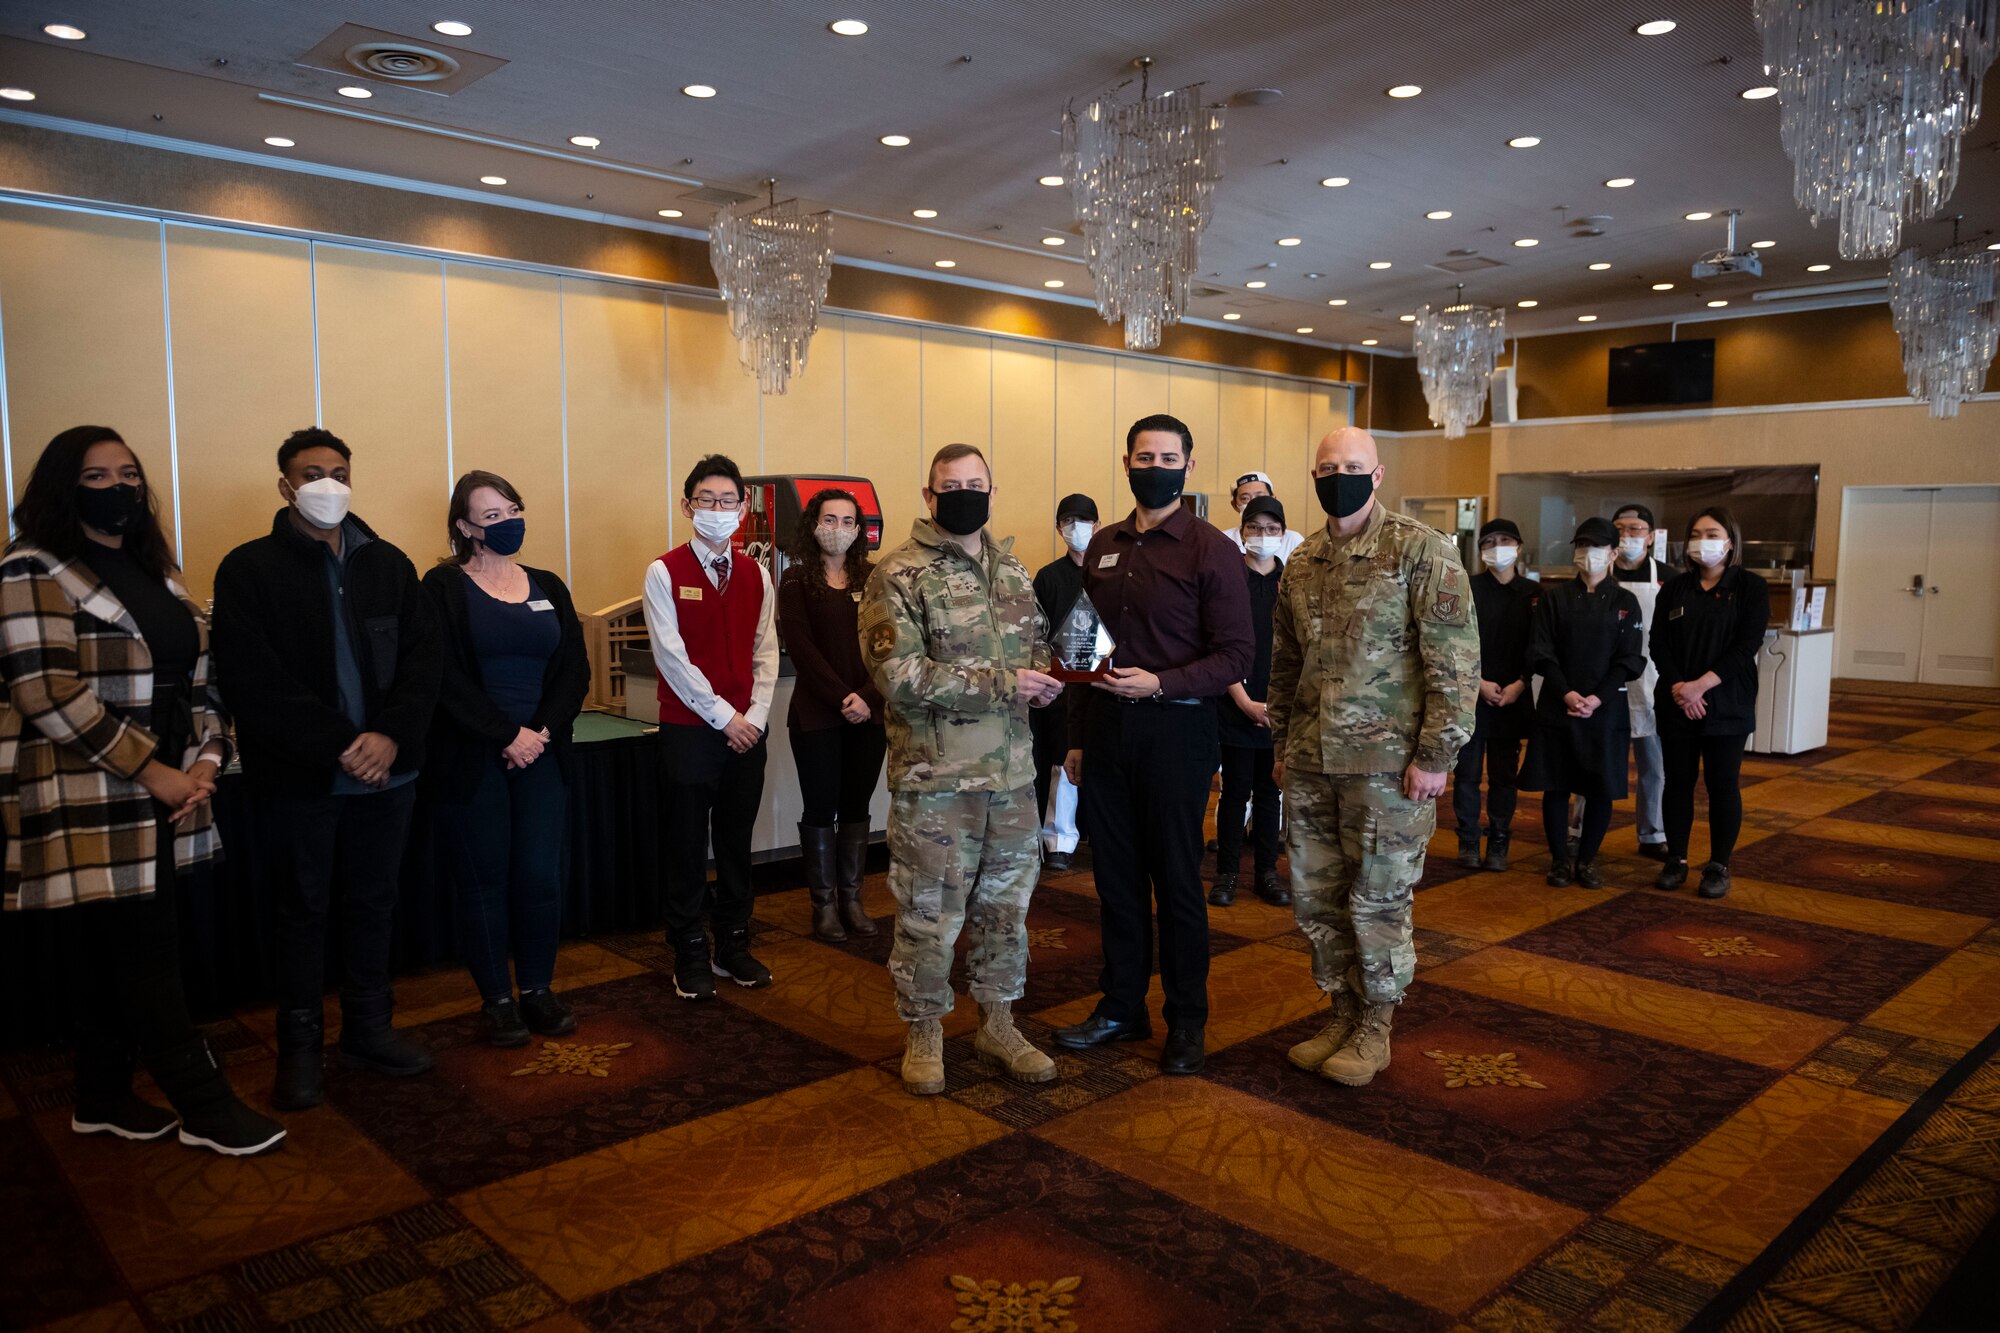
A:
(978, 88)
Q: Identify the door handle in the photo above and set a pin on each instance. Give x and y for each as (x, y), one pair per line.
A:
(1916, 588)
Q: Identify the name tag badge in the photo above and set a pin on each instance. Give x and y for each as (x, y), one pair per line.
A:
(542, 604)
(1107, 561)
(1677, 613)
(689, 594)
(856, 596)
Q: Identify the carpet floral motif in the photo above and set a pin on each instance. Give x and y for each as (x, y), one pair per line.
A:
(1879, 870)
(1726, 946)
(583, 1059)
(1047, 937)
(1483, 1071)
(1035, 1307)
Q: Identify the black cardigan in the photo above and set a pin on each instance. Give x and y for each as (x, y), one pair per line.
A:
(468, 732)
(272, 639)
(1720, 630)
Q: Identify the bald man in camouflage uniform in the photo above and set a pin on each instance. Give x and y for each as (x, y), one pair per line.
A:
(956, 643)
(1374, 673)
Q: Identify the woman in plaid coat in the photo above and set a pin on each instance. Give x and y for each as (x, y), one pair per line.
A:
(110, 745)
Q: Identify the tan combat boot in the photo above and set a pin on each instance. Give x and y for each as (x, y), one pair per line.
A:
(1366, 1050)
(923, 1058)
(1311, 1053)
(1000, 1042)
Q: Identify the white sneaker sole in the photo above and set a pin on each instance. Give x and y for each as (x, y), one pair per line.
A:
(250, 1150)
(94, 1127)
(723, 972)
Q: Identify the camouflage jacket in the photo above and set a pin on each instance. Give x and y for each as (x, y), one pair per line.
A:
(1375, 651)
(943, 634)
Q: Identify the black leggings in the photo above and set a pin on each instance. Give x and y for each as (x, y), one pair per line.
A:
(838, 768)
(1720, 759)
(1596, 819)
(1246, 781)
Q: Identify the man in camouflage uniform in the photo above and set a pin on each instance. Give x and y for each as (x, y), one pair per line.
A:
(956, 643)
(1374, 673)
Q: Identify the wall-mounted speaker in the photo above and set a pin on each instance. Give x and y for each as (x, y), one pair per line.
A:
(1506, 396)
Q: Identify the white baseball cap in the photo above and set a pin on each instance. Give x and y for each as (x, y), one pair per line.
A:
(1252, 476)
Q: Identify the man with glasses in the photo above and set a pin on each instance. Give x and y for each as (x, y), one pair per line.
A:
(711, 616)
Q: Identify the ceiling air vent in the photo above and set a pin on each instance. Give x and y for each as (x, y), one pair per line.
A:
(1469, 264)
(387, 57)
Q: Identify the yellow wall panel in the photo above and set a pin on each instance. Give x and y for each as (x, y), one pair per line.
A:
(1327, 411)
(243, 380)
(805, 427)
(382, 388)
(86, 341)
(1024, 449)
(958, 390)
(885, 420)
(1088, 448)
(712, 402)
(1287, 451)
(1240, 431)
(1194, 395)
(615, 386)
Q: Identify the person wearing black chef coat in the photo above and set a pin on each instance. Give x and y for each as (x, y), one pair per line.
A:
(1586, 644)
(1504, 599)
(1057, 585)
(1710, 625)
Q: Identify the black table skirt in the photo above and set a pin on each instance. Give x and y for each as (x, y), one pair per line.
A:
(612, 883)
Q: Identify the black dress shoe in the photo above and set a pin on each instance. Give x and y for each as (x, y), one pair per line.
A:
(1558, 876)
(1587, 876)
(1271, 891)
(1672, 876)
(545, 1015)
(504, 1027)
(1055, 863)
(1714, 880)
(1098, 1030)
(1224, 891)
(1184, 1053)
(1653, 851)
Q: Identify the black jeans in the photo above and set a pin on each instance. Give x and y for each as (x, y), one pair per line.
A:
(356, 844)
(1147, 767)
(838, 769)
(128, 991)
(1246, 780)
(1720, 759)
(1596, 818)
(707, 790)
(506, 847)
(1502, 761)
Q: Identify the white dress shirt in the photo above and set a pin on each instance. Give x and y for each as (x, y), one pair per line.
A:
(1293, 540)
(670, 654)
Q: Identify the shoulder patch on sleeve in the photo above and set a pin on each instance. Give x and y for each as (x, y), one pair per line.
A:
(880, 637)
(1449, 600)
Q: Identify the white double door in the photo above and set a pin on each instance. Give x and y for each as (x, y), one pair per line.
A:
(1918, 597)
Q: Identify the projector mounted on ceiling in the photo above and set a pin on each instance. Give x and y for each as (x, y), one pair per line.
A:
(1729, 262)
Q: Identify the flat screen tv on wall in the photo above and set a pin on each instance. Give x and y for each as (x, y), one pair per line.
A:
(1653, 374)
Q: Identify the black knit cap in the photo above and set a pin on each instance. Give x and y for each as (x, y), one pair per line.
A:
(1263, 505)
(1595, 532)
(1076, 506)
(1500, 527)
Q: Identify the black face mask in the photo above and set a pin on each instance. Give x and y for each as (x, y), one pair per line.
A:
(1344, 494)
(1156, 487)
(111, 509)
(962, 512)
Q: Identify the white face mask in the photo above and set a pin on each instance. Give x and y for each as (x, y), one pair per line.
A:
(835, 541)
(323, 503)
(1709, 550)
(1631, 549)
(716, 526)
(1500, 557)
(1593, 559)
(1077, 535)
(1264, 547)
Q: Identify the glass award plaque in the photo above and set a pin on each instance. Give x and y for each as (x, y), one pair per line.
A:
(1082, 644)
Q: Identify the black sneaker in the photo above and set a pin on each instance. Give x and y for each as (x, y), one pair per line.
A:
(1714, 880)
(1653, 851)
(1271, 891)
(693, 979)
(545, 1015)
(733, 960)
(1496, 854)
(1558, 876)
(1224, 891)
(504, 1027)
(1673, 875)
(129, 1117)
(1055, 863)
(1468, 852)
(1587, 876)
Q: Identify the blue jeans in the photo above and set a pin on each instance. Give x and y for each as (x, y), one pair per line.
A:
(506, 845)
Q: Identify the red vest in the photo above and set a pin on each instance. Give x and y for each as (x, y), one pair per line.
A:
(719, 630)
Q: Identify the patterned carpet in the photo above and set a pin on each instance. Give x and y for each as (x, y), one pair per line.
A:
(1616, 1109)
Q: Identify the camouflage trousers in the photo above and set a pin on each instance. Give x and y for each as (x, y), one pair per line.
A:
(961, 862)
(1356, 845)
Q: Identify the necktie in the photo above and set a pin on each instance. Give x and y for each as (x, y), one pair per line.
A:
(721, 567)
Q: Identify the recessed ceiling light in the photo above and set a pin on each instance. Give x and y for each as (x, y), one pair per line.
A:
(1232, 315)
(1618, 182)
(1257, 285)
(1341, 300)
(1586, 319)
(1370, 342)
(358, 93)
(698, 90)
(1405, 90)
(1758, 94)
(1527, 305)
(1524, 141)
(1762, 245)
(1303, 328)
(1380, 263)
(585, 140)
(1052, 282)
(923, 212)
(1655, 28)
(1663, 286)
(492, 180)
(1438, 214)
(277, 142)
(64, 31)
(1052, 180)
(1526, 243)
(1407, 319)
(671, 213)
(847, 27)
(895, 141)
(1994, 246)
(453, 28)
(1818, 268)
(1717, 305)
(17, 94)
(1289, 240)
(1599, 266)
(1697, 216)
(1334, 182)
(944, 263)
(1055, 240)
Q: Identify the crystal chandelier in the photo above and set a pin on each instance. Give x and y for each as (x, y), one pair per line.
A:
(1874, 97)
(1142, 175)
(1944, 312)
(1457, 346)
(772, 261)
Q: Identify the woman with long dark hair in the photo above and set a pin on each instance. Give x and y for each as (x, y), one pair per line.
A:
(497, 774)
(111, 741)
(1707, 629)
(838, 739)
